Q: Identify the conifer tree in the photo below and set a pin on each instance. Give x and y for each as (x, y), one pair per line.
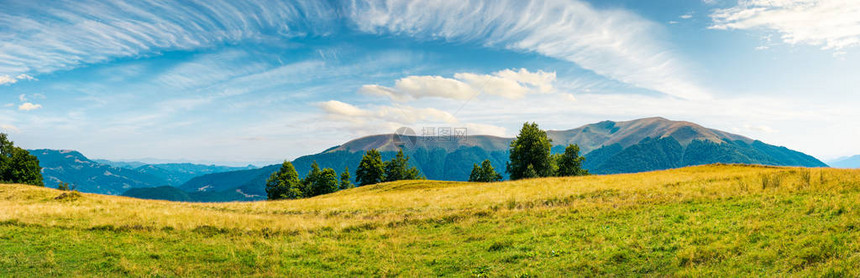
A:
(370, 170)
(345, 182)
(284, 184)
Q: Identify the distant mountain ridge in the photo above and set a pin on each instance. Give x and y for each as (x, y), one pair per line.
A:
(846, 162)
(609, 147)
(89, 176)
(98, 176)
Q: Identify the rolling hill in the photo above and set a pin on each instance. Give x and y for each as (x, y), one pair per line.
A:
(609, 147)
(711, 221)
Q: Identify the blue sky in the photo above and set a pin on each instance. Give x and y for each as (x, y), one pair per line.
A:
(262, 81)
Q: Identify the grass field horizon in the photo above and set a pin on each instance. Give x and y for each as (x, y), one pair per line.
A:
(703, 220)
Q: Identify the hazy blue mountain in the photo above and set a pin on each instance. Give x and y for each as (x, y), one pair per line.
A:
(118, 177)
(89, 176)
(179, 173)
(120, 164)
(846, 162)
(174, 173)
(609, 147)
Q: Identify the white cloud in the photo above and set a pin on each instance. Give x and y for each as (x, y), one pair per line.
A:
(614, 43)
(541, 80)
(759, 128)
(6, 79)
(494, 85)
(512, 84)
(377, 90)
(400, 114)
(830, 24)
(434, 86)
(69, 34)
(24, 76)
(686, 16)
(24, 98)
(29, 106)
(387, 119)
(341, 109)
(568, 97)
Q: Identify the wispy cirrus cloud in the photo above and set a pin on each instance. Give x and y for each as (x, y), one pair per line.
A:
(614, 43)
(67, 34)
(830, 24)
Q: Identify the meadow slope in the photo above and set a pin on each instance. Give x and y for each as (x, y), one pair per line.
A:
(718, 219)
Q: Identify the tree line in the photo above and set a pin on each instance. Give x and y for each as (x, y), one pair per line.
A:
(17, 165)
(530, 157)
(285, 183)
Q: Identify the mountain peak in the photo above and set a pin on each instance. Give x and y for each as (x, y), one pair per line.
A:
(588, 137)
(628, 133)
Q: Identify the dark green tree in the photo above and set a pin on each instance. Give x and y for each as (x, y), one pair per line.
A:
(345, 182)
(530, 154)
(326, 182)
(284, 184)
(398, 169)
(570, 163)
(371, 169)
(484, 173)
(18, 165)
(310, 181)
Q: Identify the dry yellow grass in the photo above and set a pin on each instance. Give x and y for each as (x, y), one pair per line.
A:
(410, 200)
(724, 220)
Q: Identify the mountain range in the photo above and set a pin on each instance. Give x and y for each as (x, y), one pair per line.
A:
(609, 147)
(846, 162)
(107, 177)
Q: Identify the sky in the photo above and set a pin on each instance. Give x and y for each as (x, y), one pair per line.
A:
(257, 82)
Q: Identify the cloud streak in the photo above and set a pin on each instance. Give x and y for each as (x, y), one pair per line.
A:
(610, 42)
(613, 43)
(830, 24)
(68, 34)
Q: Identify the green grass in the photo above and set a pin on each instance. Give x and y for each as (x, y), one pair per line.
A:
(697, 221)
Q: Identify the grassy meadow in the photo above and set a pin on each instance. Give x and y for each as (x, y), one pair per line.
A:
(724, 220)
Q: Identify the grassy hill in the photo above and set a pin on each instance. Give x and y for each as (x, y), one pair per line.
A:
(696, 221)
